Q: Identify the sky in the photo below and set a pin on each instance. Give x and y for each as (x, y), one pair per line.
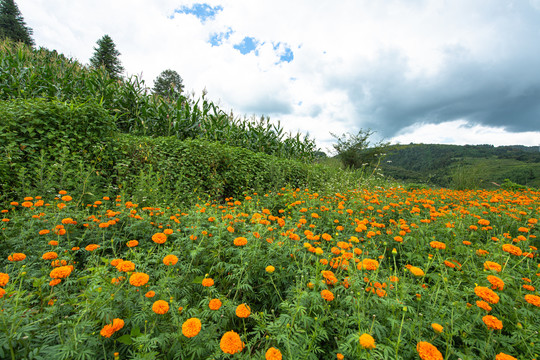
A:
(421, 71)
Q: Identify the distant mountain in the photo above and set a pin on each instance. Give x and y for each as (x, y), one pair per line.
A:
(477, 166)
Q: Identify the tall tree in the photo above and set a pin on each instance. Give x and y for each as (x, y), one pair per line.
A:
(106, 55)
(169, 84)
(12, 24)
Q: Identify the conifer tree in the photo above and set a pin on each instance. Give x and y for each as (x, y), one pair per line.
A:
(106, 55)
(12, 25)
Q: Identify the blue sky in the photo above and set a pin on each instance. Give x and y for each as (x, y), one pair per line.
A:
(430, 71)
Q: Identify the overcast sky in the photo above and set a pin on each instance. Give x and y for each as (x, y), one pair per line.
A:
(430, 71)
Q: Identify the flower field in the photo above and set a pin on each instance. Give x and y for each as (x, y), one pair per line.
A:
(366, 274)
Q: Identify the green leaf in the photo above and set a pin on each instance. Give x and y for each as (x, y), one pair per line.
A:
(125, 339)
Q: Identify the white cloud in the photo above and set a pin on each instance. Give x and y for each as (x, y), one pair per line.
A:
(357, 63)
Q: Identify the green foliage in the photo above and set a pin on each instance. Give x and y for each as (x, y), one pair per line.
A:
(355, 150)
(27, 73)
(12, 25)
(168, 85)
(106, 55)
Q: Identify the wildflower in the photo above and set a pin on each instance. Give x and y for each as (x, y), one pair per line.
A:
(483, 305)
(4, 278)
(231, 343)
(496, 283)
(437, 245)
(191, 327)
(27, 204)
(340, 356)
(528, 287)
(138, 279)
(486, 294)
(437, 328)
(512, 249)
(240, 241)
(17, 257)
(49, 255)
(243, 311)
(273, 354)
(44, 232)
(327, 295)
(55, 282)
(160, 306)
(533, 299)
(416, 271)
(53, 243)
(170, 259)
(207, 282)
(159, 238)
(150, 294)
(115, 262)
(125, 266)
(92, 247)
(367, 341)
(492, 322)
(503, 356)
(2, 293)
(132, 243)
(168, 231)
(490, 265)
(61, 272)
(427, 351)
(465, 242)
(270, 269)
(214, 304)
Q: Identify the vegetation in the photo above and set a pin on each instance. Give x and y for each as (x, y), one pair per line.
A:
(223, 239)
(106, 55)
(12, 25)
(169, 85)
(356, 151)
(469, 166)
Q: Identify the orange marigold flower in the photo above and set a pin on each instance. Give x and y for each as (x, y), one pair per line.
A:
(273, 354)
(92, 247)
(4, 278)
(44, 232)
(110, 329)
(486, 294)
(231, 343)
(465, 242)
(191, 327)
(125, 266)
(170, 259)
(17, 257)
(512, 249)
(340, 356)
(115, 262)
(55, 282)
(416, 271)
(528, 287)
(214, 304)
(138, 279)
(53, 243)
(523, 229)
(483, 305)
(437, 245)
(159, 238)
(208, 282)
(243, 311)
(427, 351)
(270, 269)
(533, 300)
(27, 204)
(490, 265)
(160, 306)
(503, 356)
(150, 294)
(327, 295)
(132, 243)
(368, 264)
(496, 283)
(49, 255)
(438, 328)
(2, 293)
(367, 341)
(61, 272)
(240, 241)
(492, 322)
(168, 231)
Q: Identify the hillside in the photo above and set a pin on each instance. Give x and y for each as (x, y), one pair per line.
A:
(472, 166)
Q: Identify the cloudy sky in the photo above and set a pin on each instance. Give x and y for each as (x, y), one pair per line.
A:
(430, 71)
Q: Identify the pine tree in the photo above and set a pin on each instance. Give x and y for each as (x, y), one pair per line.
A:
(106, 55)
(169, 85)
(12, 24)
